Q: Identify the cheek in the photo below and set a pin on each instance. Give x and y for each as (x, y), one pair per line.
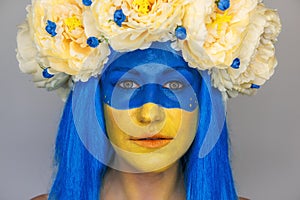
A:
(112, 123)
(122, 123)
(186, 127)
(120, 126)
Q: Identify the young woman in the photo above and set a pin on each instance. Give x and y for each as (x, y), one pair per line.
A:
(156, 112)
(143, 119)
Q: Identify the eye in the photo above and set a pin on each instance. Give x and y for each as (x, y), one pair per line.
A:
(128, 84)
(174, 85)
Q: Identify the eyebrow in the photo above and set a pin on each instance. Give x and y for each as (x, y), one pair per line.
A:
(125, 69)
(172, 69)
(135, 72)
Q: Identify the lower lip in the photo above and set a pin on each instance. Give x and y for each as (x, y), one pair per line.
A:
(158, 143)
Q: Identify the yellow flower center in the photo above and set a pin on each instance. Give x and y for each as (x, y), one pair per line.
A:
(220, 20)
(72, 23)
(142, 6)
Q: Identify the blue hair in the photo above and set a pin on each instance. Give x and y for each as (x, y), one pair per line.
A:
(79, 175)
(210, 177)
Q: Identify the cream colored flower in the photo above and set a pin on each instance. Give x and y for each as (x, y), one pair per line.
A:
(145, 21)
(196, 14)
(27, 54)
(57, 30)
(256, 54)
(245, 31)
(226, 30)
(214, 36)
(54, 37)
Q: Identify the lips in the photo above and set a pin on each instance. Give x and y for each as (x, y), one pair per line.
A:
(155, 141)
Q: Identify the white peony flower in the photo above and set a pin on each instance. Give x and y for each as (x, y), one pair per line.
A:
(196, 14)
(27, 54)
(256, 54)
(63, 41)
(226, 30)
(134, 24)
(56, 34)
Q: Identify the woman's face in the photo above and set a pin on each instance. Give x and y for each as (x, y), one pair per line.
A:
(150, 108)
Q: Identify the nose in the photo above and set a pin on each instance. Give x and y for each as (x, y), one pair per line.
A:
(150, 113)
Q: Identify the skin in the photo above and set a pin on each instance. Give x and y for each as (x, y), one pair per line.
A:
(158, 173)
(164, 185)
(160, 124)
(176, 126)
(166, 181)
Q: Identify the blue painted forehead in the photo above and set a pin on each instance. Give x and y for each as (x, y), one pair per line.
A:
(152, 75)
(140, 57)
(153, 58)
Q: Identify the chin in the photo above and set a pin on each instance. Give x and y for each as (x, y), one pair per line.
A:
(156, 161)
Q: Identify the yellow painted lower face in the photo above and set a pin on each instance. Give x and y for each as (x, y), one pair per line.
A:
(150, 137)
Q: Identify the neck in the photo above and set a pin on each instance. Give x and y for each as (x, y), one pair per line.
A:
(164, 185)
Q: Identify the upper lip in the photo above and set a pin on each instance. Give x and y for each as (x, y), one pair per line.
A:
(153, 137)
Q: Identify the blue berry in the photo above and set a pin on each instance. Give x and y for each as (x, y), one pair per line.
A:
(254, 86)
(50, 28)
(119, 17)
(223, 4)
(236, 63)
(93, 42)
(87, 2)
(180, 32)
(46, 73)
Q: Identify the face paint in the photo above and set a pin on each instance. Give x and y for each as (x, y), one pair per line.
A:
(150, 107)
(151, 75)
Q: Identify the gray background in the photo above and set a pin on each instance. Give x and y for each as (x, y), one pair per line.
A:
(264, 129)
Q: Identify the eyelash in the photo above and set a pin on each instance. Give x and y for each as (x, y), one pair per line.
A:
(180, 85)
(134, 85)
(121, 84)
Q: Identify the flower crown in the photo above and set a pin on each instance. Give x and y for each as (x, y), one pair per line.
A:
(64, 41)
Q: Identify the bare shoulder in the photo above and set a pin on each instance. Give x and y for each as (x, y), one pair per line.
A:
(40, 197)
(242, 198)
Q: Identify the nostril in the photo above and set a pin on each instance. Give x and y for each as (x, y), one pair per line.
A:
(150, 113)
(145, 121)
